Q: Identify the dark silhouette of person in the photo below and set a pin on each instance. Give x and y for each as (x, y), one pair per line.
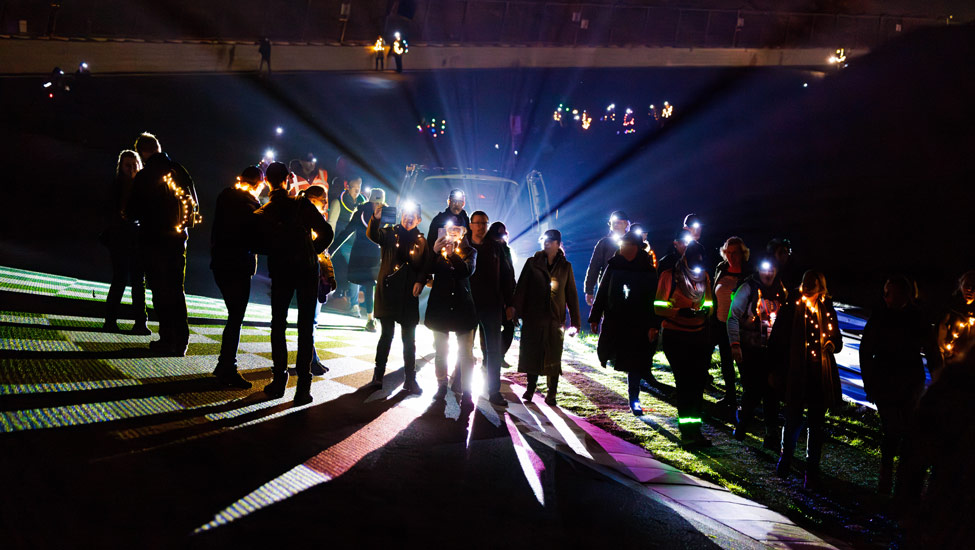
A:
(122, 236)
(499, 233)
(164, 204)
(294, 234)
(606, 248)
(396, 51)
(233, 263)
(402, 276)
(624, 305)
(379, 51)
(264, 48)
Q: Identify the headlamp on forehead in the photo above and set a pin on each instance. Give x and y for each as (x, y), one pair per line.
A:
(410, 207)
(457, 195)
(688, 239)
(697, 270)
(766, 266)
(696, 225)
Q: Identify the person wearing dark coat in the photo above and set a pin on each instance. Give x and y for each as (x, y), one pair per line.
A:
(892, 368)
(287, 224)
(546, 289)
(606, 248)
(751, 319)
(956, 328)
(801, 346)
(685, 302)
(492, 287)
(453, 215)
(451, 307)
(340, 212)
(624, 303)
(234, 263)
(401, 278)
(121, 236)
(365, 256)
(676, 252)
(499, 233)
(164, 203)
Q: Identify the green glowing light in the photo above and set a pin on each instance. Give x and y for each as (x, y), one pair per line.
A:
(689, 420)
(708, 303)
(661, 303)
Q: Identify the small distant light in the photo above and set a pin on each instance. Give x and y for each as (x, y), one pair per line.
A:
(575, 111)
(84, 65)
(269, 154)
(651, 107)
(279, 130)
(516, 152)
(611, 107)
(805, 84)
(629, 111)
(576, 117)
(50, 96)
(47, 84)
(496, 146)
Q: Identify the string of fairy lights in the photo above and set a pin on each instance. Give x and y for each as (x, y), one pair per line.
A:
(570, 117)
(432, 127)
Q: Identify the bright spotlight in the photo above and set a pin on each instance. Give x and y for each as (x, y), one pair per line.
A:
(279, 130)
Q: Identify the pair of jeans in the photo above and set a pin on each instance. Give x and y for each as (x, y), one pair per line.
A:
(816, 422)
(408, 335)
(126, 270)
(165, 265)
(755, 371)
(464, 369)
(689, 353)
(283, 289)
(236, 291)
(489, 323)
(368, 293)
(727, 360)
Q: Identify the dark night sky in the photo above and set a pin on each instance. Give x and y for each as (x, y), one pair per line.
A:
(868, 171)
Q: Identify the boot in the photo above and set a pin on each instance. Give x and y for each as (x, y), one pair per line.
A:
(377, 378)
(276, 388)
(111, 325)
(741, 425)
(303, 391)
(231, 378)
(530, 389)
(553, 390)
(410, 385)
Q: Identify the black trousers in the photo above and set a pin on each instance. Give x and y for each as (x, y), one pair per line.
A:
(755, 369)
(126, 270)
(507, 335)
(408, 334)
(236, 290)
(165, 265)
(720, 332)
(284, 287)
(688, 353)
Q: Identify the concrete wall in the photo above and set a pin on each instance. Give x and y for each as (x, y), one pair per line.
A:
(39, 56)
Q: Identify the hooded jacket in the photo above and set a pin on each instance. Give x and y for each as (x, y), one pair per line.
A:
(233, 233)
(624, 302)
(404, 254)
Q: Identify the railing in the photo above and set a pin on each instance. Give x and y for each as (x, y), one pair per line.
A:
(469, 22)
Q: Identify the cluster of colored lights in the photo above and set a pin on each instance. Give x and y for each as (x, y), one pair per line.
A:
(433, 127)
(567, 115)
(189, 214)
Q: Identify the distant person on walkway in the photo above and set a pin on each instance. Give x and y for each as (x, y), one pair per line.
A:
(751, 320)
(892, 368)
(340, 211)
(685, 302)
(122, 238)
(728, 276)
(499, 234)
(606, 248)
(264, 48)
(287, 224)
(164, 203)
(802, 344)
(493, 287)
(624, 304)
(234, 263)
(546, 289)
(397, 50)
(319, 198)
(453, 215)
(364, 256)
(379, 53)
(451, 308)
(956, 330)
(401, 279)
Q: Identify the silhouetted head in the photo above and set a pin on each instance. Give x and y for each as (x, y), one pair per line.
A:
(147, 145)
(128, 165)
(276, 175)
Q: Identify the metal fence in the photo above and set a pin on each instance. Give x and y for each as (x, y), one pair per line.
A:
(474, 22)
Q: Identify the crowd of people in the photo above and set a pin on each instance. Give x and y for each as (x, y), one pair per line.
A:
(779, 329)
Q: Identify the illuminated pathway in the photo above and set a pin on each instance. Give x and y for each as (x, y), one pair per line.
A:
(107, 447)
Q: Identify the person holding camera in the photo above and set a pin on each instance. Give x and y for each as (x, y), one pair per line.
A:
(287, 224)
(365, 256)
(454, 215)
(401, 278)
(685, 301)
(451, 306)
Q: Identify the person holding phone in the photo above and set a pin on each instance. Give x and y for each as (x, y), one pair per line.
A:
(454, 215)
(451, 262)
(401, 278)
(365, 256)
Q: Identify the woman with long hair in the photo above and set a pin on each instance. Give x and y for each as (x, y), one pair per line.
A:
(121, 237)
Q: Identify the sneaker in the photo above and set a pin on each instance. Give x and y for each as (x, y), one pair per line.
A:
(303, 398)
(550, 400)
(374, 384)
(636, 408)
(232, 379)
(276, 388)
(410, 386)
(318, 369)
(356, 312)
(370, 325)
(497, 400)
(527, 396)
